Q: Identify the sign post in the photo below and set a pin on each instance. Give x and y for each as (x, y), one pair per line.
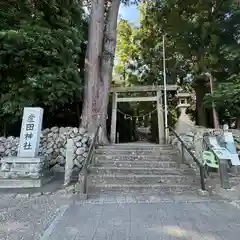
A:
(30, 132)
(27, 169)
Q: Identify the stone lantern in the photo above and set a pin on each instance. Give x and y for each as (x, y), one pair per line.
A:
(184, 123)
(183, 101)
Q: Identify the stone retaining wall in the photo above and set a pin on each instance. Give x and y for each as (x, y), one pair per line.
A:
(53, 145)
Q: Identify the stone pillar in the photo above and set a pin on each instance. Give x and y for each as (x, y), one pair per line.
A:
(114, 118)
(184, 123)
(69, 161)
(160, 117)
(224, 177)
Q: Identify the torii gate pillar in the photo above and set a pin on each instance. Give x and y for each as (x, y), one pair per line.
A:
(160, 117)
(114, 118)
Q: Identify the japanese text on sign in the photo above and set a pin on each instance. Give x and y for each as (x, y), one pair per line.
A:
(29, 132)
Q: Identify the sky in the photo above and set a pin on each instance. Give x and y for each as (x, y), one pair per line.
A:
(130, 13)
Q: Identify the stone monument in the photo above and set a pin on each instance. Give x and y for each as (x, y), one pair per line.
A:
(27, 169)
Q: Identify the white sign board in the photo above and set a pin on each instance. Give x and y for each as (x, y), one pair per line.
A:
(222, 153)
(30, 132)
(231, 147)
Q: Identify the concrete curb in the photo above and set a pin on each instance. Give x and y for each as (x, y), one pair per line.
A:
(48, 232)
(65, 192)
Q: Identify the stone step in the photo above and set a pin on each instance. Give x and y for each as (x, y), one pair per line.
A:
(149, 164)
(8, 183)
(121, 188)
(136, 146)
(234, 181)
(140, 170)
(237, 178)
(140, 179)
(129, 157)
(138, 152)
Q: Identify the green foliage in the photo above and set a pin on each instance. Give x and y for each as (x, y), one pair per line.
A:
(226, 97)
(201, 37)
(139, 51)
(126, 49)
(41, 47)
(192, 30)
(227, 91)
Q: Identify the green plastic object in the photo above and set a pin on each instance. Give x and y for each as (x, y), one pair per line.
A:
(209, 159)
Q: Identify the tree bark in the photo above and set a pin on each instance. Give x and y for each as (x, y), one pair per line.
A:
(201, 113)
(238, 123)
(214, 112)
(99, 65)
(90, 112)
(107, 62)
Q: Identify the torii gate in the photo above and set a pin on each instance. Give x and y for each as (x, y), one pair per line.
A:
(157, 98)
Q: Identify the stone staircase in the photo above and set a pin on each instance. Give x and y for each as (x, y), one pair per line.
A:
(130, 167)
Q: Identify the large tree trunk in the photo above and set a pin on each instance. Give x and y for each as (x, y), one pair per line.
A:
(90, 113)
(201, 113)
(214, 111)
(99, 66)
(107, 63)
(238, 123)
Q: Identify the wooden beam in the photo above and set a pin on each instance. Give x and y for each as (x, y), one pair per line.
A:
(148, 88)
(137, 99)
(183, 94)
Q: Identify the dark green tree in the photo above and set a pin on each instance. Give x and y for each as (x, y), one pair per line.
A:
(42, 47)
(201, 41)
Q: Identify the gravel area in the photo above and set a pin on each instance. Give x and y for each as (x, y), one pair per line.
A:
(26, 218)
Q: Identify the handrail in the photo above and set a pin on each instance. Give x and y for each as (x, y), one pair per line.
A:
(91, 148)
(87, 162)
(199, 164)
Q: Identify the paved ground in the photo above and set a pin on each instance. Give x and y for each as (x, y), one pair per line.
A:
(117, 217)
(165, 220)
